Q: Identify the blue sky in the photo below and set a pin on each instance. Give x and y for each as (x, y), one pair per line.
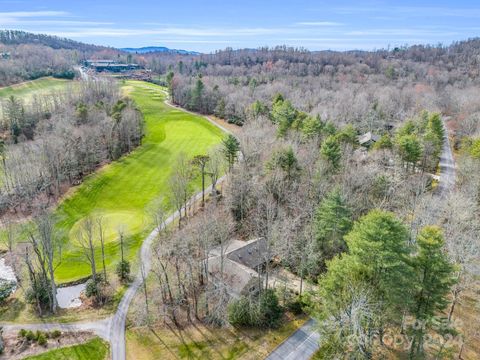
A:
(214, 24)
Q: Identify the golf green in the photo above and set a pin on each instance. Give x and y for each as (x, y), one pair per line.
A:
(122, 192)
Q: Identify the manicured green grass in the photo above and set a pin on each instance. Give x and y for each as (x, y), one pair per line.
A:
(95, 349)
(29, 89)
(123, 191)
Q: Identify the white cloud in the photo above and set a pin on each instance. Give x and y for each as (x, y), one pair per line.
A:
(194, 41)
(411, 11)
(319, 23)
(438, 11)
(173, 31)
(309, 33)
(32, 14)
(401, 32)
(319, 39)
(86, 32)
(26, 17)
(56, 22)
(217, 31)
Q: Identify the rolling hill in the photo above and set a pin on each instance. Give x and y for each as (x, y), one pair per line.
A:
(160, 49)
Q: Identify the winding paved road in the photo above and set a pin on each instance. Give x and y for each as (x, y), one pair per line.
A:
(112, 329)
(303, 343)
(447, 166)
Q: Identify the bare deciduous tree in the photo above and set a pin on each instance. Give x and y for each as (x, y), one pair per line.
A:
(179, 182)
(215, 167)
(45, 245)
(86, 240)
(101, 235)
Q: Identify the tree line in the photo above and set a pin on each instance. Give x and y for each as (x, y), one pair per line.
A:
(370, 89)
(376, 251)
(56, 140)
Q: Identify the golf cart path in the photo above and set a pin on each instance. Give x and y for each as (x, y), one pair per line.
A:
(112, 329)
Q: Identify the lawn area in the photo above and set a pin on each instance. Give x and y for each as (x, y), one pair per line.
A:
(95, 349)
(202, 342)
(123, 191)
(42, 86)
(26, 91)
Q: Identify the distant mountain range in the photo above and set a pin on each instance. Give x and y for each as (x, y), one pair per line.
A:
(150, 49)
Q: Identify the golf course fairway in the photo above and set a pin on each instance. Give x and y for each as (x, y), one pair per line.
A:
(29, 89)
(123, 191)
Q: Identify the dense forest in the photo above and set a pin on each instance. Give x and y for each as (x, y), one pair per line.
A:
(368, 229)
(55, 140)
(353, 87)
(15, 37)
(380, 249)
(26, 56)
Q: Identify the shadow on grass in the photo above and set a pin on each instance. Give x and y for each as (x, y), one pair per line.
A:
(221, 335)
(163, 342)
(199, 341)
(11, 310)
(204, 347)
(221, 342)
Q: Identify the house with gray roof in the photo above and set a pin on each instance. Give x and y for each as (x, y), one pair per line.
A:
(368, 139)
(238, 265)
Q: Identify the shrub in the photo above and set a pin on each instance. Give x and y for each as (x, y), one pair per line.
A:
(242, 312)
(55, 334)
(236, 120)
(295, 305)
(42, 339)
(6, 288)
(260, 311)
(65, 74)
(123, 270)
(22, 333)
(91, 288)
(30, 336)
(39, 291)
(269, 309)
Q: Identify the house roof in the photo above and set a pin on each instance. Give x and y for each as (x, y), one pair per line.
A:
(238, 264)
(252, 254)
(92, 61)
(236, 276)
(367, 137)
(232, 245)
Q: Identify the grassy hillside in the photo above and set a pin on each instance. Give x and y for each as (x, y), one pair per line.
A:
(30, 89)
(95, 349)
(37, 87)
(123, 191)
